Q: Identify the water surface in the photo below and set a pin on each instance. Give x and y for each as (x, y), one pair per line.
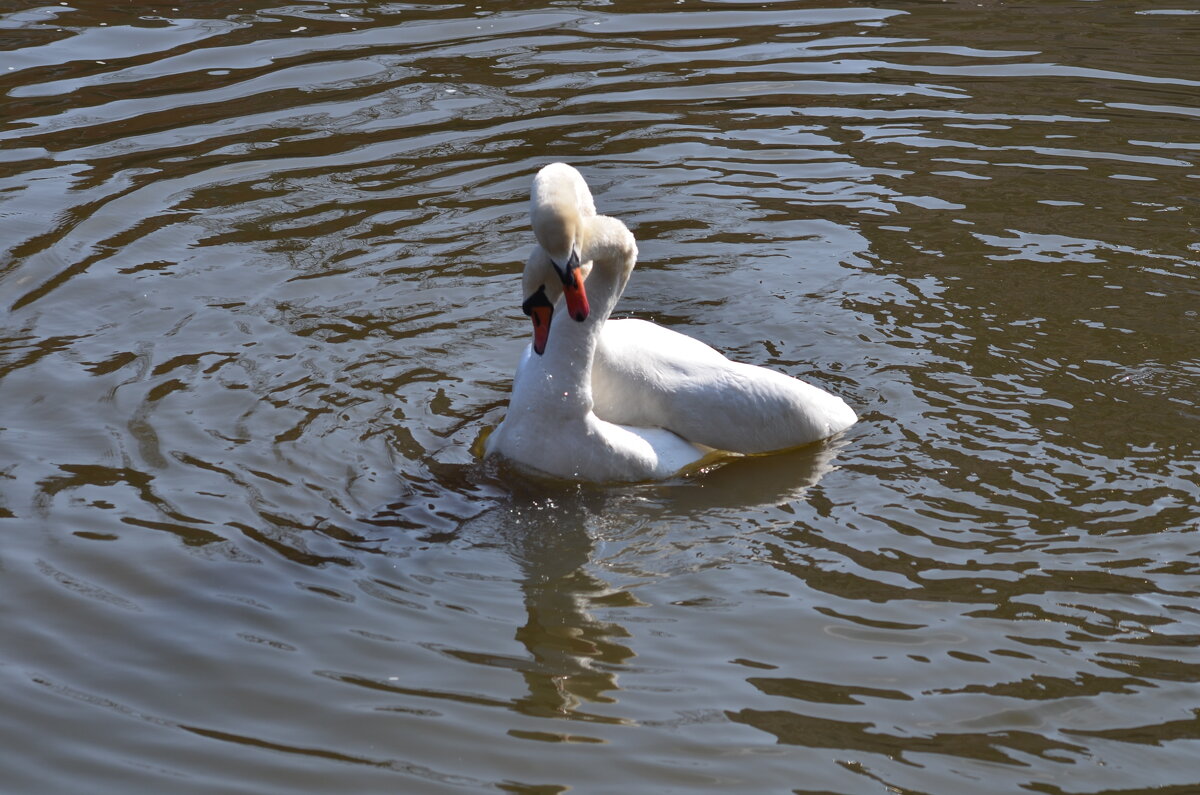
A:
(260, 294)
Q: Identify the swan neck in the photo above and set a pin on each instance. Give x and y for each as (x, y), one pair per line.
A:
(572, 345)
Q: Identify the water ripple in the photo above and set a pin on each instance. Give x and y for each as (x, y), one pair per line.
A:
(259, 271)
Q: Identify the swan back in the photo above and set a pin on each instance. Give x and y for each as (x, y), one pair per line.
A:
(645, 374)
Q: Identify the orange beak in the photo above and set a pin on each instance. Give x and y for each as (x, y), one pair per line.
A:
(573, 292)
(576, 296)
(541, 315)
(540, 311)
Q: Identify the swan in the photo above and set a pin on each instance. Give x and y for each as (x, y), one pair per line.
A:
(646, 375)
(550, 426)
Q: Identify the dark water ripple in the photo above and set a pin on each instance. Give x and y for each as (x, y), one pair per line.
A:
(258, 273)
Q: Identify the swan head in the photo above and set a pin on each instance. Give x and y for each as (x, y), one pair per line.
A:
(539, 301)
(610, 255)
(560, 204)
(541, 288)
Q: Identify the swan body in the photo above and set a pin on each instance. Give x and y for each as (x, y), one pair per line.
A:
(645, 374)
(648, 376)
(550, 425)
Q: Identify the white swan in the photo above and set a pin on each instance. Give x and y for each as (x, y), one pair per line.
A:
(550, 426)
(647, 375)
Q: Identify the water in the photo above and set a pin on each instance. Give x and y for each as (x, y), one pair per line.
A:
(261, 299)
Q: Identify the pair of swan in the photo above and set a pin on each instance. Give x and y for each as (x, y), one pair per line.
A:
(626, 400)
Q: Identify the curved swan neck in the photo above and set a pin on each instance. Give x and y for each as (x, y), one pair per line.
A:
(567, 361)
(609, 256)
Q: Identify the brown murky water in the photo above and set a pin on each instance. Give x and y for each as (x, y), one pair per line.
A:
(260, 295)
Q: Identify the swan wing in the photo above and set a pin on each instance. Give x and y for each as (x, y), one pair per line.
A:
(646, 375)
